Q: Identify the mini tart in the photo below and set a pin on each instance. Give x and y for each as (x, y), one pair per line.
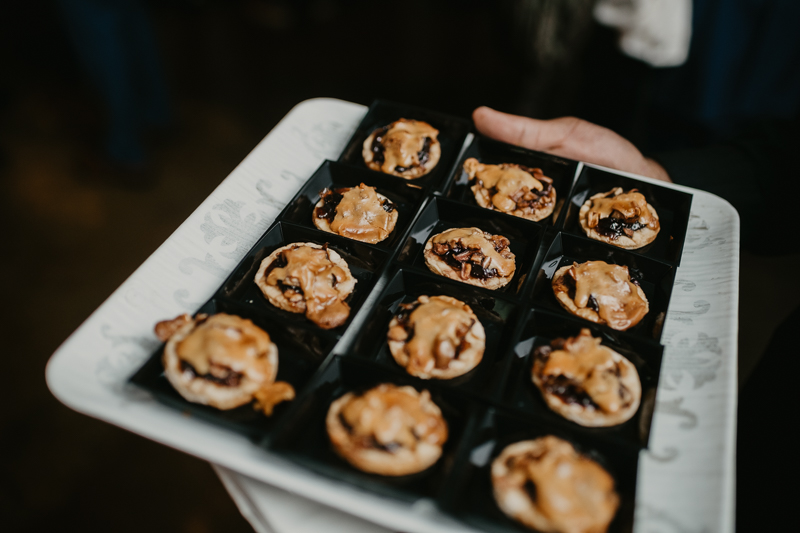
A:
(623, 219)
(406, 148)
(436, 337)
(548, 486)
(472, 256)
(602, 293)
(223, 361)
(388, 430)
(359, 213)
(308, 278)
(586, 382)
(513, 189)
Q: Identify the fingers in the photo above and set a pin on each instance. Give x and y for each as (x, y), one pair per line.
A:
(542, 135)
(568, 137)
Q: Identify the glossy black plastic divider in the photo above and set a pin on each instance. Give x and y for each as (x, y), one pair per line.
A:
(301, 351)
(332, 175)
(365, 262)
(468, 493)
(441, 214)
(303, 437)
(488, 151)
(452, 132)
(673, 208)
(497, 314)
(655, 278)
(540, 327)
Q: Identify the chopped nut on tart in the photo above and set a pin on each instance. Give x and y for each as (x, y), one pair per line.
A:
(510, 188)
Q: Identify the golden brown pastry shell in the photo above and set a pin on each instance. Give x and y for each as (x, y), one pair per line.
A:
(514, 501)
(435, 153)
(198, 390)
(640, 239)
(274, 294)
(438, 266)
(467, 359)
(591, 417)
(561, 293)
(374, 460)
(324, 225)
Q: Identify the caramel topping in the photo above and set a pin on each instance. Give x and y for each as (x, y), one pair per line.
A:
(490, 252)
(309, 273)
(268, 396)
(438, 328)
(390, 417)
(610, 287)
(361, 215)
(583, 360)
(167, 328)
(572, 491)
(630, 207)
(224, 342)
(403, 143)
(509, 183)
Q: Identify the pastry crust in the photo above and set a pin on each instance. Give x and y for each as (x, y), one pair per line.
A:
(308, 278)
(510, 188)
(601, 293)
(360, 213)
(223, 361)
(405, 148)
(436, 337)
(547, 485)
(586, 382)
(388, 430)
(621, 219)
(472, 256)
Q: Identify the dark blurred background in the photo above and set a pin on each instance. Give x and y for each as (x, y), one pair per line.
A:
(118, 117)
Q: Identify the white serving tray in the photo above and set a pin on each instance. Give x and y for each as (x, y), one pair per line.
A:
(686, 479)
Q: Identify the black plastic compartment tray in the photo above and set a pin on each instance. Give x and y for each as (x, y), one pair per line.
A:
(366, 263)
(333, 175)
(452, 132)
(304, 439)
(301, 351)
(540, 328)
(491, 406)
(441, 214)
(656, 279)
(488, 151)
(497, 314)
(469, 495)
(673, 208)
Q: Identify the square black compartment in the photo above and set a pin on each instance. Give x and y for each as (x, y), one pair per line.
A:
(541, 328)
(673, 209)
(469, 495)
(441, 214)
(496, 314)
(656, 279)
(301, 351)
(488, 151)
(303, 438)
(452, 133)
(365, 262)
(334, 175)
